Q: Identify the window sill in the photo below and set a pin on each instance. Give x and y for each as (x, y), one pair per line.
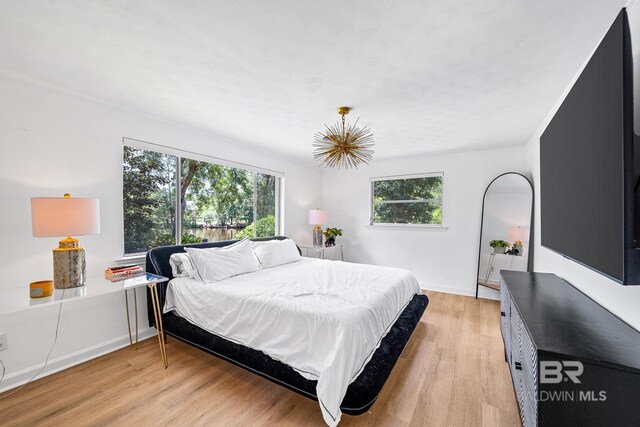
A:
(132, 259)
(408, 227)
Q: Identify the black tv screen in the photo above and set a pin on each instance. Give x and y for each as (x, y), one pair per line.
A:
(586, 165)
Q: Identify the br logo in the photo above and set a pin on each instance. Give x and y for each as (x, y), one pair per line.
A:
(554, 372)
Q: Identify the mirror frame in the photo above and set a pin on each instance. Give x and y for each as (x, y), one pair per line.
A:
(531, 225)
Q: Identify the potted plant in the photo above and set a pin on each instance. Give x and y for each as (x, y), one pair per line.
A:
(499, 246)
(330, 235)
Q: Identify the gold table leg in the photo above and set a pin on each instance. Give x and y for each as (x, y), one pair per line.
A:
(135, 304)
(157, 313)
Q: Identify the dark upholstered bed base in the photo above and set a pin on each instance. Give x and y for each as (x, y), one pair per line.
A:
(362, 392)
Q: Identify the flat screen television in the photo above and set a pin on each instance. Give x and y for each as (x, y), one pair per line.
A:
(587, 171)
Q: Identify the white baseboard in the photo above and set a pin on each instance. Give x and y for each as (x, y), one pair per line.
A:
(66, 361)
(482, 293)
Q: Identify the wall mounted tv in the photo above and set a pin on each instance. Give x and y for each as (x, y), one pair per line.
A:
(587, 173)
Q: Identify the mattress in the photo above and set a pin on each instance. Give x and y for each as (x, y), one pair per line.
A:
(323, 318)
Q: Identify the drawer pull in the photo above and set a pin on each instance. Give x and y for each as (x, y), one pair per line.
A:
(518, 366)
(502, 314)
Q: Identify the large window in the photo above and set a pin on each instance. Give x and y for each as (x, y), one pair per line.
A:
(170, 199)
(407, 200)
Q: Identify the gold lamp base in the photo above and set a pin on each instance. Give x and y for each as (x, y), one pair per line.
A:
(69, 265)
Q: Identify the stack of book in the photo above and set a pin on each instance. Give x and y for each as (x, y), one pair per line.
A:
(124, 272)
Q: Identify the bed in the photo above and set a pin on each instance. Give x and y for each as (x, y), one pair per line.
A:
(360, 393)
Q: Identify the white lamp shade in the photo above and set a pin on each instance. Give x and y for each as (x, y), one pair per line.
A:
(317, 217)
(60, 216)
(519, 233)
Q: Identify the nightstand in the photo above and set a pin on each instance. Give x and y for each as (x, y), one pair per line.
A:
(150, 281)
(320, 250)
(498, 262)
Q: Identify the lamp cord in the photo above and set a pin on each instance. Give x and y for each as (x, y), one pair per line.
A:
(46, 361)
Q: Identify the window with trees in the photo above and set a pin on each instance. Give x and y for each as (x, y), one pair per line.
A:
(169, 199)
(407, 200)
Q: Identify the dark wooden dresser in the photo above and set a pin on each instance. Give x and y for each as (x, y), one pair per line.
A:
(572, 362)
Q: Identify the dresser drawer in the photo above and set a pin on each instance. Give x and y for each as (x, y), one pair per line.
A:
(514, 363)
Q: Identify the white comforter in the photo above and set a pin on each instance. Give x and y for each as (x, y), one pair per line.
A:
(323, 318)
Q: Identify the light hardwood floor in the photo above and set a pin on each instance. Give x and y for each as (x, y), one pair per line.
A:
(451, 373)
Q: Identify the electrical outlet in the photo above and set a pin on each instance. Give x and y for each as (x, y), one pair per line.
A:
(4, 344)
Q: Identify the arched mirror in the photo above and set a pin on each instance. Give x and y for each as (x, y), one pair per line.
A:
(506, 224)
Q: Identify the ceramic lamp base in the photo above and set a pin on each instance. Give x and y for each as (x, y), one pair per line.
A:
(69, 265)
(317, 237)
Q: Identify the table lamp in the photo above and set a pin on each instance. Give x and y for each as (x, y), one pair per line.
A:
(518, 234)
(317, 218)
(64, 216)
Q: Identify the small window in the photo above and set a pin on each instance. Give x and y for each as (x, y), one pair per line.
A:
(407, 200)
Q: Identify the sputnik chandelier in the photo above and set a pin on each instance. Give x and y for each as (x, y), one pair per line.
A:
(343, 146)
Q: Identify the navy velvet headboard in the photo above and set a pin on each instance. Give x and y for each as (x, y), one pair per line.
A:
(157, 262)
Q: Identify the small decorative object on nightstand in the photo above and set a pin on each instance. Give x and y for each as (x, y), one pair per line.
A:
(41, 289)
(317, 217)
(125, 272)
(330, 235)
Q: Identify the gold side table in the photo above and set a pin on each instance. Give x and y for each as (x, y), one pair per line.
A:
(150, 281)
(320, 250)
(157, 313)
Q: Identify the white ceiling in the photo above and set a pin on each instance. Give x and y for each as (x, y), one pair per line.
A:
(426, 76)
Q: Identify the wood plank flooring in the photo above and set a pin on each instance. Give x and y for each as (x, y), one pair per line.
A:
(451, 373)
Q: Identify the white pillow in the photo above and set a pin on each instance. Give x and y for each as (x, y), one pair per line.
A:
(215, 264)
(181, 265)
(272, 253)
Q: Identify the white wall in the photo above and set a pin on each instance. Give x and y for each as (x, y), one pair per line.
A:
(52, 143)
(623, 301)
(445, 261)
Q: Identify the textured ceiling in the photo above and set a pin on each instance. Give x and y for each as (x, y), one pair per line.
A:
(426, 76)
